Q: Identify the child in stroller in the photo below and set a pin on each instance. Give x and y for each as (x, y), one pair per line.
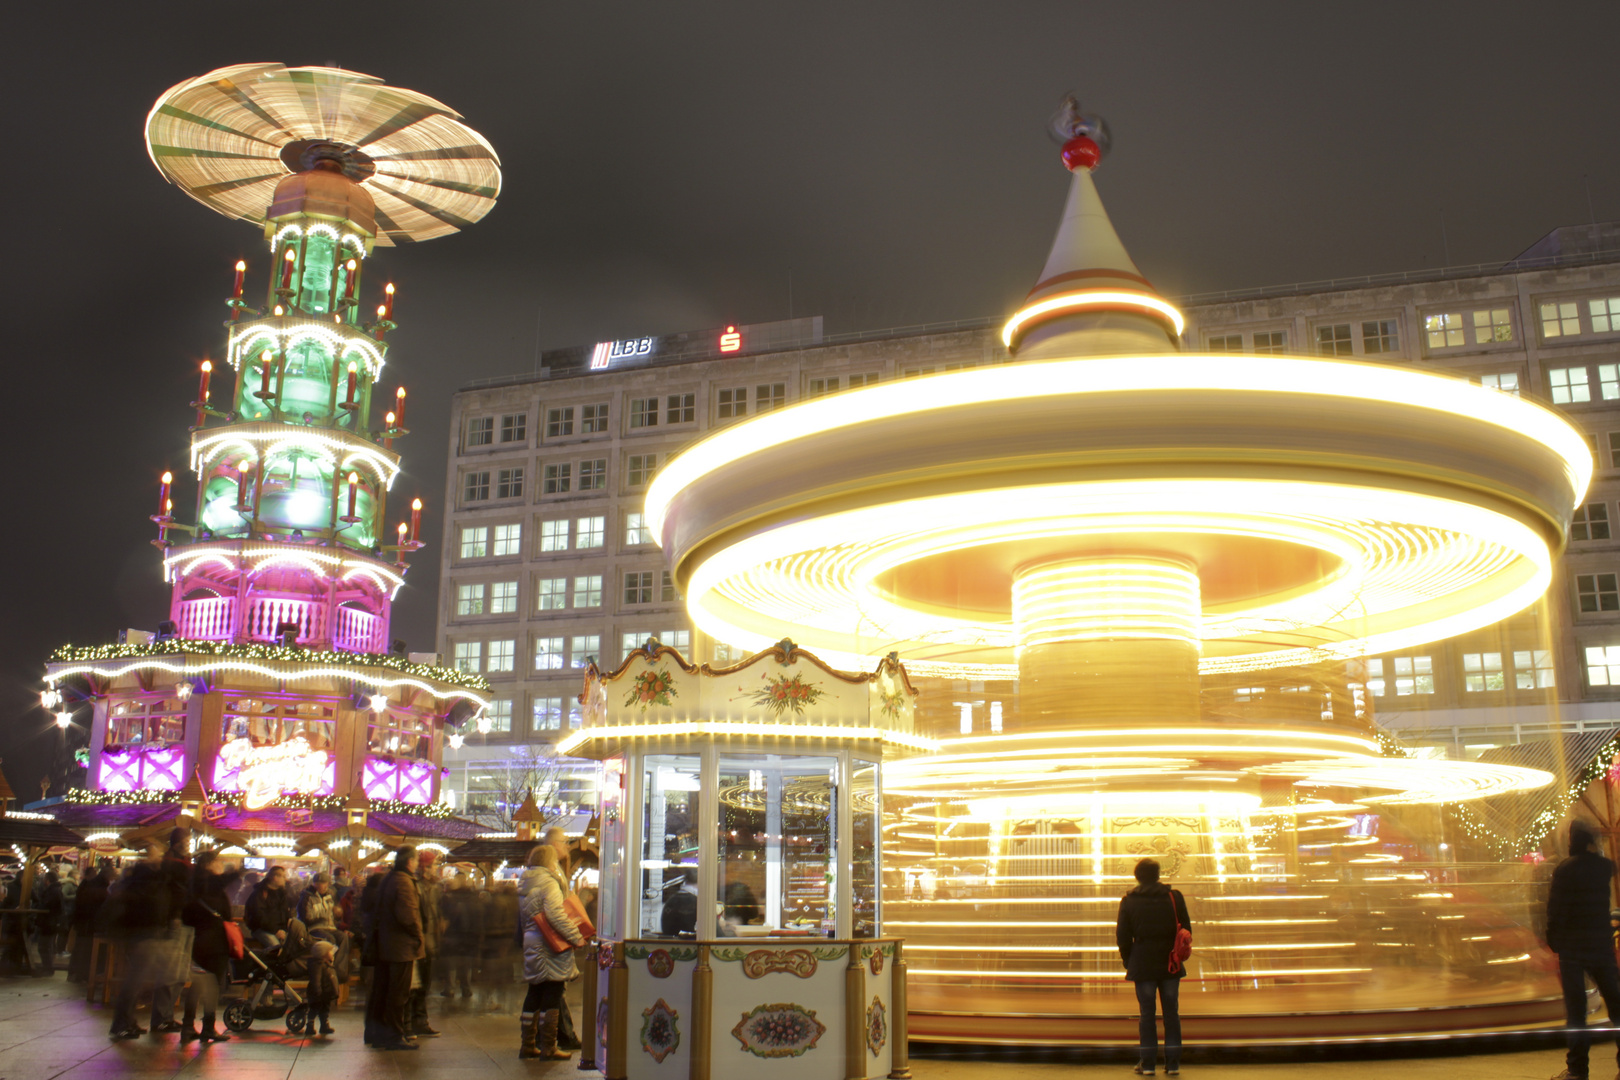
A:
(270, 971)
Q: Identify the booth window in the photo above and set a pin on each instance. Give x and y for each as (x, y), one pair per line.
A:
(146, 723)
(777, 851)
(269, 724)
(669, 845)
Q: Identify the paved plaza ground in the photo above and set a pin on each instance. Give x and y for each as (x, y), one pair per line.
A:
(47, 1031)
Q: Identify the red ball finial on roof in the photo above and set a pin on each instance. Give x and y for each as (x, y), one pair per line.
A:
(1084, 136)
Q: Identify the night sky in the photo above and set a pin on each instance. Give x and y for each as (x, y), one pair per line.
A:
(670, 166)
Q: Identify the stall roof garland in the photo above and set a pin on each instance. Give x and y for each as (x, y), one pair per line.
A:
(79, 654)
(85, 797)
(1536, 830)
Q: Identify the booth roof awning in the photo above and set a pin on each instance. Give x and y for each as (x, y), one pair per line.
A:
(31, 832)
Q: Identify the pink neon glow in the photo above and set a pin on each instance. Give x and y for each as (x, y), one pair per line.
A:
(156, 768)
(406, 781)
(228, 778)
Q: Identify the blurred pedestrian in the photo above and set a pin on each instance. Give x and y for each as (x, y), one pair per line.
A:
(1578, 931)
(543, 890)
(47, 899)
(323, 983)
(207, 912)
(557, 839)
(398, 935)
(140, 920)
(462, 933)
(1150, 918)
(86, 907)
(428, 898)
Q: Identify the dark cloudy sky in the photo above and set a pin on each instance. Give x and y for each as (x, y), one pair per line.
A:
(670, 165)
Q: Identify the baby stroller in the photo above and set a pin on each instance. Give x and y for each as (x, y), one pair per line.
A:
(270, 970)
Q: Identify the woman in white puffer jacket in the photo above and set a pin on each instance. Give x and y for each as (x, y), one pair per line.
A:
(542, 890)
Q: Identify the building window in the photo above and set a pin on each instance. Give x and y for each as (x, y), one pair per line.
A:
(1568, 385)
(677, 639)
(501, 655)
(480, 431)
(469, 656)
(858, 381)
(548, 654)
(551, 594)
(768, 396)
(1598, 592)
(509, 484)
(644, 412)
(666, 589)
(636, 531)
(823, 387)
(732, 403)
(559, 479)
(1560, 320)
(475, 488)
(470, 599)
(588, 591)
(503, 598)
(629, 643)
(583, 648)
(1413, 675)
(1507, 382)
(1603, 665)
(593, 418)
(918, 372)
(474, 541)
(548, 713)
(1493, 325)
(559, 422)
(1379, 336)
(1591, 522)
(593, 474)
(1270, 343)
(1533, 669)
(641, 469)
(1224, 343)
(1608, 381)
(499, 714)
(1605, 315)
(1482, 671)
(508, 539)
(1614, 449)
(1334, 340)
(589, 532)
(680, 408)
(554, 536)
(1443, 331)
(515, 427)
(638, 587)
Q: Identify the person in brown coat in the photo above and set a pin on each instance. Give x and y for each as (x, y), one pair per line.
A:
(397, 931)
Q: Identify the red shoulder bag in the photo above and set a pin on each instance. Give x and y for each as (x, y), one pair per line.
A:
(1183, 946)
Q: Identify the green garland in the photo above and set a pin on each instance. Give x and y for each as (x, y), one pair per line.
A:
(85, 797)
(292, 654)
(1513, 846)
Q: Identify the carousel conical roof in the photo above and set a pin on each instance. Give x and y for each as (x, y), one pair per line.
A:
(228, 137)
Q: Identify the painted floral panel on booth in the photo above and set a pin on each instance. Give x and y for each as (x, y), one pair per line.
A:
(780, 1030)
(877, 1026)
(660, 1030)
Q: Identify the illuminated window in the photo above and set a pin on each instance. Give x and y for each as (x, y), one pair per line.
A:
(680, 408)
(583, 648)
(559, 422)
(1598, 592)
(1608, 381)
(502, 654)
(593, 474)
(629, 643)
(475, 486)
(469, 656)
(554, 536)
(1533, 669)
(1603, 665)
(727, 654)
(1507, 382)
(1591, 522)
(1268, 343)
(474, 541)
(1443, 331)
(858, 381)
(1334, 340)
(995, 718)
(1560, 320)
(503, 598)
(480, 431)
(588, 591)
(514, 428)
(636, 531)
(823, 387)
(666, 589)
(509, 484)
(1605, 315)
(1225, 343)
(732, 403)
(1495, 324)
(551, 594)
(1413, 675)
(593, 418)
(965, 714)
(470, 599)
(1569, 385)
(640, 469)
(589, 532)
(638, 587)
(499, 714)
(1482, 671)
(548, 653)
(1380, 336)
(508, 539)
(548, 713)
(676, 639)
(644, 412)
(559, 479)
(768, 396)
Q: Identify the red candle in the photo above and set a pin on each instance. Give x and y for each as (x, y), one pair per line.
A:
(242, 472)
(354, 480)
(348, 293)
(354, 377)
(163, 496)
(287, 269)
(402, 537)
(241, 269)
(388, 304)
(207, 373)
(416, 518)
(399, 405)
(388, 428)
(264, 372)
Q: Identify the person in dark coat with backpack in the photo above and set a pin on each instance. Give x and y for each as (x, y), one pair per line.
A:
(206, 913)
(1578, 931)
(1150, 918)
